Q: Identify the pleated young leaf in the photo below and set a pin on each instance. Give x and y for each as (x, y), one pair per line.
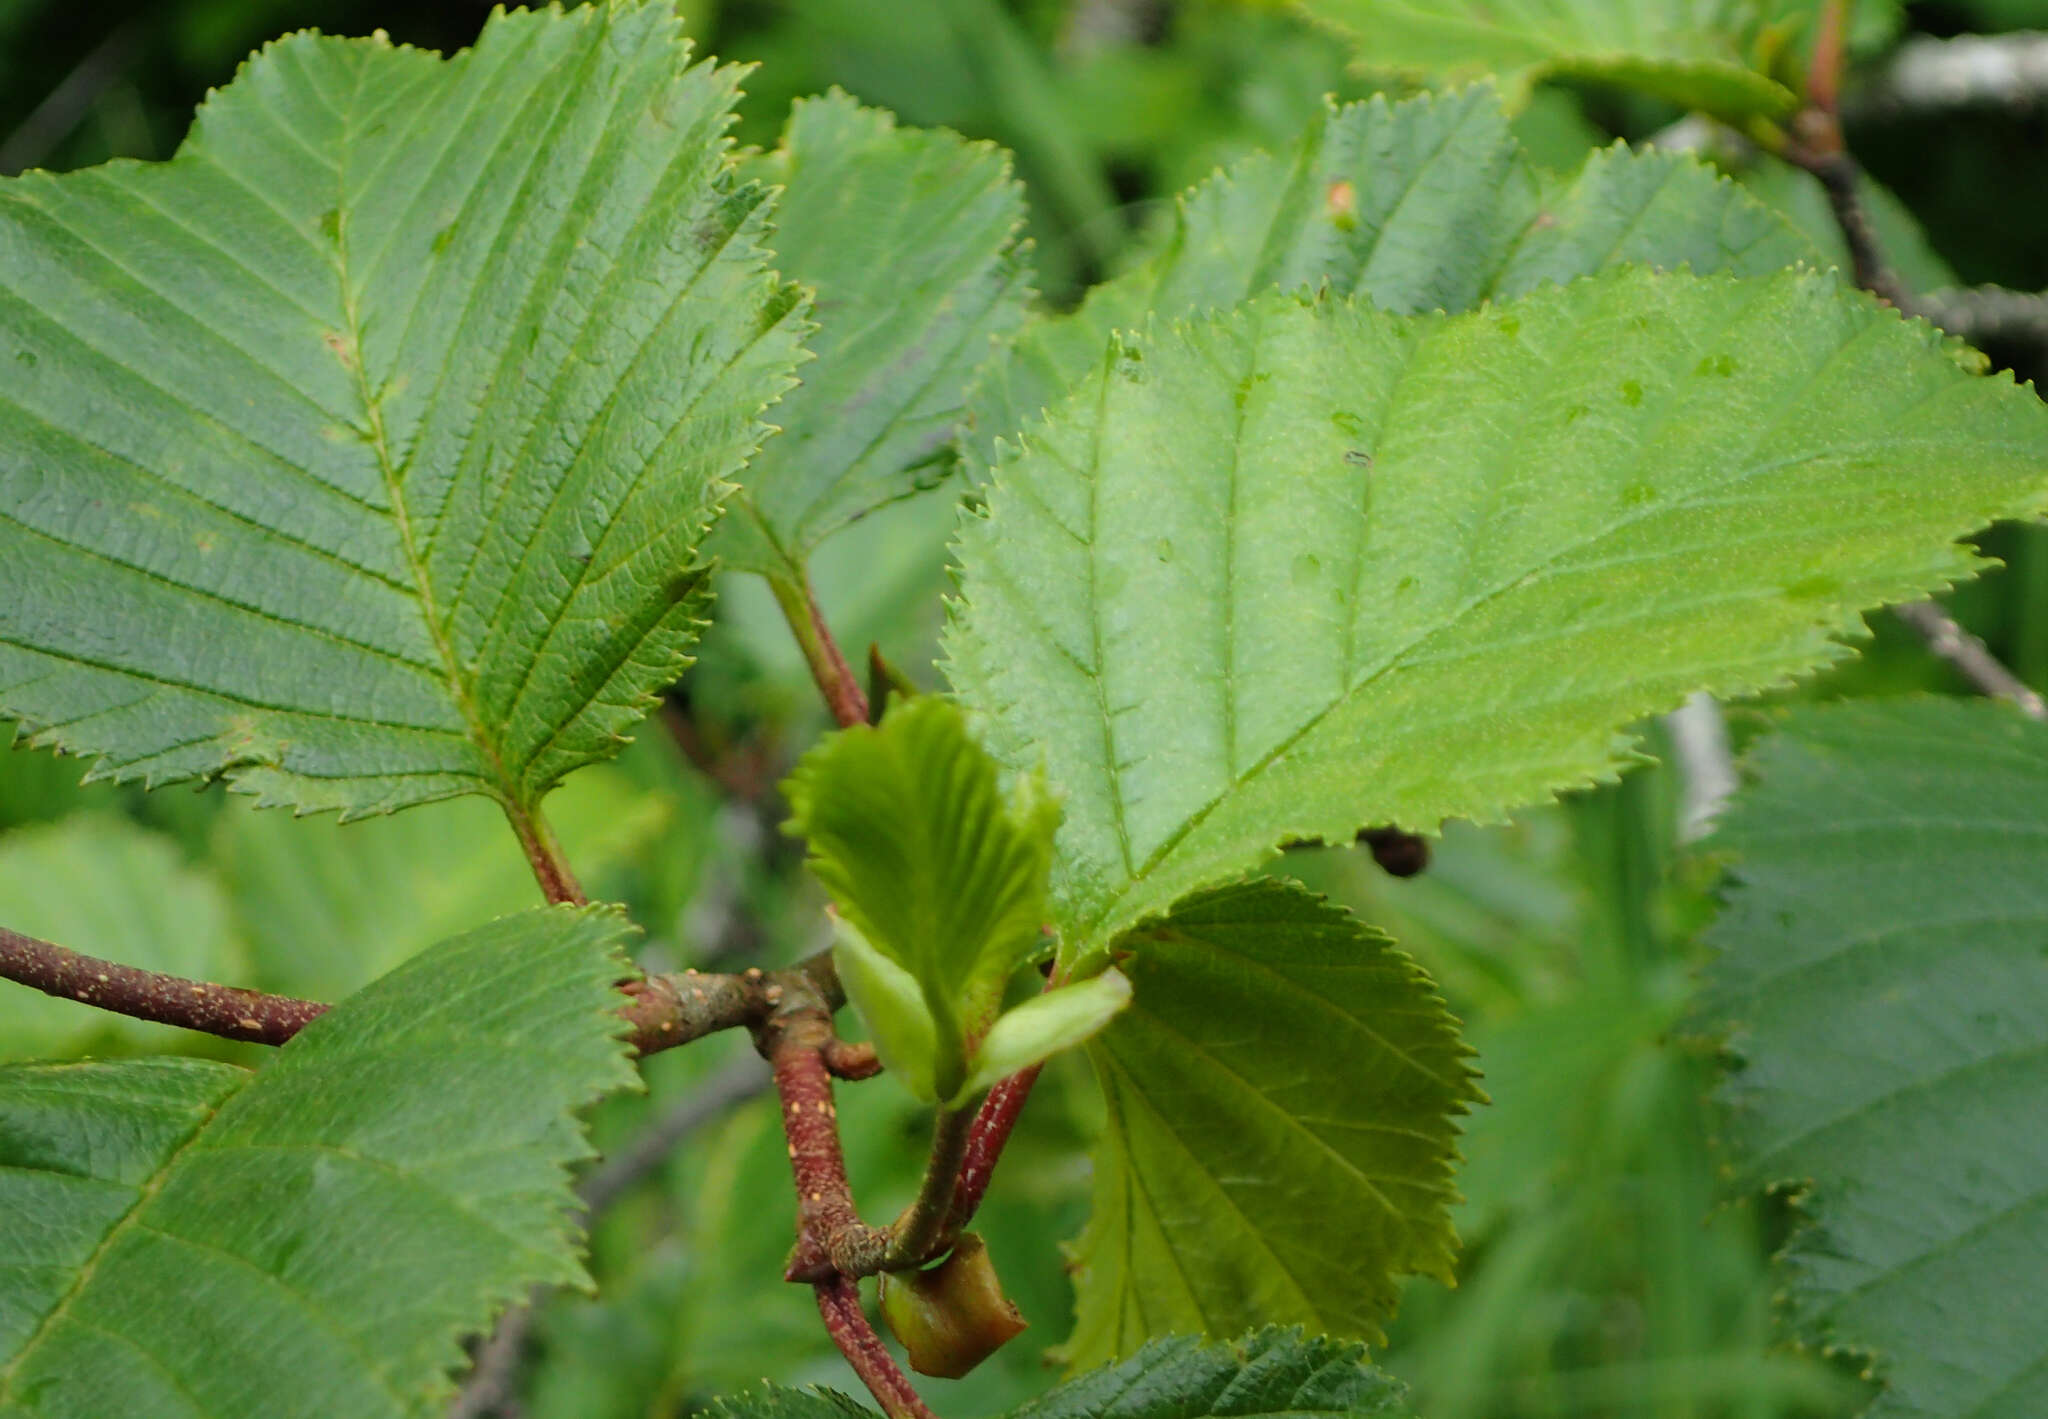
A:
(1883, 976)
(939, 869)
(1703, 54)
(1429, 204)
(909, 239)
(1308, 567)
(311, 1239)
(361, 452)
(1283, 1095)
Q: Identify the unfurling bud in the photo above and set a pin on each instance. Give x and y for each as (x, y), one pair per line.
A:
(953, 1316)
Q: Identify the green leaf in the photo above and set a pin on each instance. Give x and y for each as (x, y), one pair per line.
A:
(101, 885)
(1883, 969)
(1242, 1180)
(1424, 205)
(892, 1004)
(1693, 54)
(941, 871)
(773, 1401)
(908, 237)
(310, 1239)
(328, 907)
(1309, 568)
(1267, 1374)
(361, 452)
(1042, 1026)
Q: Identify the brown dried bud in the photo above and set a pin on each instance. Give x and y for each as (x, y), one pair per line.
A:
(953, 1316)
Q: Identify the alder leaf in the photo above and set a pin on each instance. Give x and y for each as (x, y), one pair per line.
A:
(1268, 1374)
(105, 886)
(310, 1239)
(361, 452)
(1883, 969)
(1283, 1094)
(908, 237)
(1698, 54)
(1308, 567)
(1429, 204)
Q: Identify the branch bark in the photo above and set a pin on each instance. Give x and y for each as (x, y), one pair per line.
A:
(224, 1010)
(839, 1304)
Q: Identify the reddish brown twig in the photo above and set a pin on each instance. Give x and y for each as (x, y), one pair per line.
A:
(839, 1304)
(992, 1124)
(831, 1236)
(224, 1010)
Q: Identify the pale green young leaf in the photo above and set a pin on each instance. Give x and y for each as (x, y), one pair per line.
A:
(943, 872)
(107, 887)
(1882, 978)
(909, 239)
(1267, 1374)
(361, 452)
(891, 1002)
(1308, 567)
(1429, 204)
(1700, 54)
(310, 1239)
(1283, 1094)
(1039, 1028)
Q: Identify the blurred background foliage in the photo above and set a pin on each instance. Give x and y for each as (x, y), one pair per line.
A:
(1605, 1276)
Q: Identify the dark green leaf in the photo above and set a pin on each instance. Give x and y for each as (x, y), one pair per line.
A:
(1883, 982)
(361, 452)
(311, 1239)
(909, 239)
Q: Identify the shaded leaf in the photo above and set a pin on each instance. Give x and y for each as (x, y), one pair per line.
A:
(1883, 969)
(310, 1239)
(1308, 568)
(101, 885)
(1267, 1374)
(1283, 1094)
(909, 239)
(1702, 54)
(1429, 204)
(361, 451)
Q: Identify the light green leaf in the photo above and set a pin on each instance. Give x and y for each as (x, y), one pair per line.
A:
(1244, 1177)
(1424, 205)
(99, 884)
(1308, 567)
(909, 239)
(1883, 969)
(1268, 1374)
(328, 907)
(892, 1003)
(310, 1239)
(361, 452)
(1039, 1028)
(1699, 54)
(941, 870)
